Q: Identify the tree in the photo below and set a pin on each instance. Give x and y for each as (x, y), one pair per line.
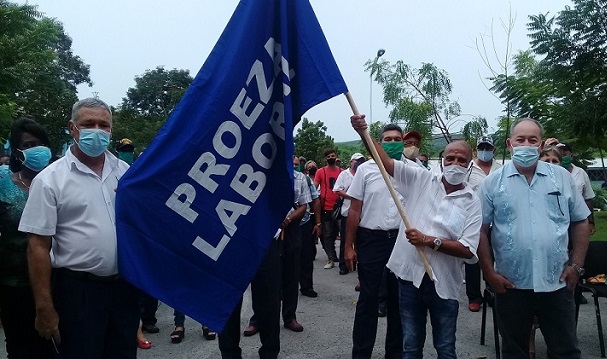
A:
(420, 97)
(311, 141)
(474, 129)
(567, 89)
(147, 106)
(38, 71)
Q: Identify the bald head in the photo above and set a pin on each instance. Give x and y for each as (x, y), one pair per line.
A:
(459, 148)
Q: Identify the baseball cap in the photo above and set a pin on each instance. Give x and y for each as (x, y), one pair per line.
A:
(413, 134)
(485, 139)
(356, 156)
(125, 145)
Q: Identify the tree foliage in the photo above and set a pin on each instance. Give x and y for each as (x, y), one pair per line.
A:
(474, 129)
(149, 103)
(420, 97)
(566, 89)
(311, 141)
(38, 70)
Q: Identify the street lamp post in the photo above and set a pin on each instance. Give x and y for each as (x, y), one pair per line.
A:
(380, 53)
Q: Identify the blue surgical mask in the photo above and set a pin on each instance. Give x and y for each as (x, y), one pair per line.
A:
(36, 158)
(525, 156)
(484, 155)
(93, 141)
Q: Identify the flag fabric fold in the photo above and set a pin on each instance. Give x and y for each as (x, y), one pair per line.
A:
(196, 213)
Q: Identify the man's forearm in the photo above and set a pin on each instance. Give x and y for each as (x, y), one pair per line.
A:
(39, 265)
(579, 241)
(484, 251)
(317, 211)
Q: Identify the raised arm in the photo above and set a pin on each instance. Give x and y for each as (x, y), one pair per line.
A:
(360, 126)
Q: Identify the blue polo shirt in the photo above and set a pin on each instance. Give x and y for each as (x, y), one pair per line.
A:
(530, 223)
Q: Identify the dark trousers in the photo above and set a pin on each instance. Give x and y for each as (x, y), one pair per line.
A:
(17, 312)
(97, 319)
(149, 305)
(179, 318)
(373, 252)
(555, 312)
(308, 253)
(473, 283)
(265, 292)
(291, 268)
(342, 242)
(329, 234)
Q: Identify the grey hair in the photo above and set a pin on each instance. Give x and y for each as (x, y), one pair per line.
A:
(90, 102)
(515, 123)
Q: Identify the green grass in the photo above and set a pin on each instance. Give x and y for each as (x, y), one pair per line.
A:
(600, 220)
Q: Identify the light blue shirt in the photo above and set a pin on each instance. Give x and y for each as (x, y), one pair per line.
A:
(530, 222)
(315, 195)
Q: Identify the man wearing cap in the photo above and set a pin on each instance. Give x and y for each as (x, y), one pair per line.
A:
(341, 186)
(412, 141)
(126, 151)
(482, 165)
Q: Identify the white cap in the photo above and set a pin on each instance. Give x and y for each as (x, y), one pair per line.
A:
(356, 156)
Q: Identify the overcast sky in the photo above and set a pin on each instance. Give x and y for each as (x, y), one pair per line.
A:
(120, 39)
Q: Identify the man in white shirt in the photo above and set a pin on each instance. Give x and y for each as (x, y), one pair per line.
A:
(87, 309)
(482, 165)
(580, 180)
(445, 217)
(371, 231)
(344, 180)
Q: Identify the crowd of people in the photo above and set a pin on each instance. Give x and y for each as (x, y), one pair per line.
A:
(523, 227)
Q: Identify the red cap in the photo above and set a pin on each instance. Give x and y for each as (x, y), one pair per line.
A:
(413, 134)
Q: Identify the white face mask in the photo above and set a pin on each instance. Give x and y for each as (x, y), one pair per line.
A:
(455, 174)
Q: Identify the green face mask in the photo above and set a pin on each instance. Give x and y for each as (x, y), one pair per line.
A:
(566, 161)
(393, 149)
(127, 157)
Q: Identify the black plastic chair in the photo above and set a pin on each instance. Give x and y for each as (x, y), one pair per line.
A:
(489, 299)
(596, 263)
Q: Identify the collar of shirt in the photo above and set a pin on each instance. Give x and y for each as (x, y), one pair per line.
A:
(541, 169)
(109, 165)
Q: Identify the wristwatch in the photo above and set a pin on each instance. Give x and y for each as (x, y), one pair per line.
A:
(437, 243)
(579, 269)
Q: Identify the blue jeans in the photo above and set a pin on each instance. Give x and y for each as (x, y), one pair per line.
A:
(414, 304)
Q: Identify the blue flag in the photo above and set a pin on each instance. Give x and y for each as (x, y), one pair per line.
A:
(196, 213)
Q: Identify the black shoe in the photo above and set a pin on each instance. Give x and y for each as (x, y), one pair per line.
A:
(381, 312)
(150, 328)
(344, 271)
(309, 293)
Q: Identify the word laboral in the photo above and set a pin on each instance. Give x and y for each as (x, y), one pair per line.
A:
(247, 182)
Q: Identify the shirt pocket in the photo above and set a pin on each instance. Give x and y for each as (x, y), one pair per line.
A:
(556, 207)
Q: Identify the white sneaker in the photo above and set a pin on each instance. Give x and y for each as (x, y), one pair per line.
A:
(329, 265)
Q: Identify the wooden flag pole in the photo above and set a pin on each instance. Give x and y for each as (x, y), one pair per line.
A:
(369, 142)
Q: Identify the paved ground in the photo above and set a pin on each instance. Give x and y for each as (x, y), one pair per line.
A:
(328, 326)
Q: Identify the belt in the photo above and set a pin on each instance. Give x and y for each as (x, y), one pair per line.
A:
(391, 233)
(86, 275)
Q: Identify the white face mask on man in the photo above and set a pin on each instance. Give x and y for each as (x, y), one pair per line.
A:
(455, 174)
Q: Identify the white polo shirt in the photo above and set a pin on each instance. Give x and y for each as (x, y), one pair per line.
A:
(453, 217)
(378, 210)
(582, 182)
(69, 202)
(344, 181)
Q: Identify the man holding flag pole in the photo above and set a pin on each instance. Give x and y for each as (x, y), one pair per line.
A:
(445, 228)
(208, 208)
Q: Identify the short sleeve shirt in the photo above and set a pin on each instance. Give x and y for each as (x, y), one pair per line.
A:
(75, 206)
(342, 184)
(530, 223)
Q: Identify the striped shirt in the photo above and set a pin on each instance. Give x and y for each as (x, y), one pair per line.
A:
(452, 217)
